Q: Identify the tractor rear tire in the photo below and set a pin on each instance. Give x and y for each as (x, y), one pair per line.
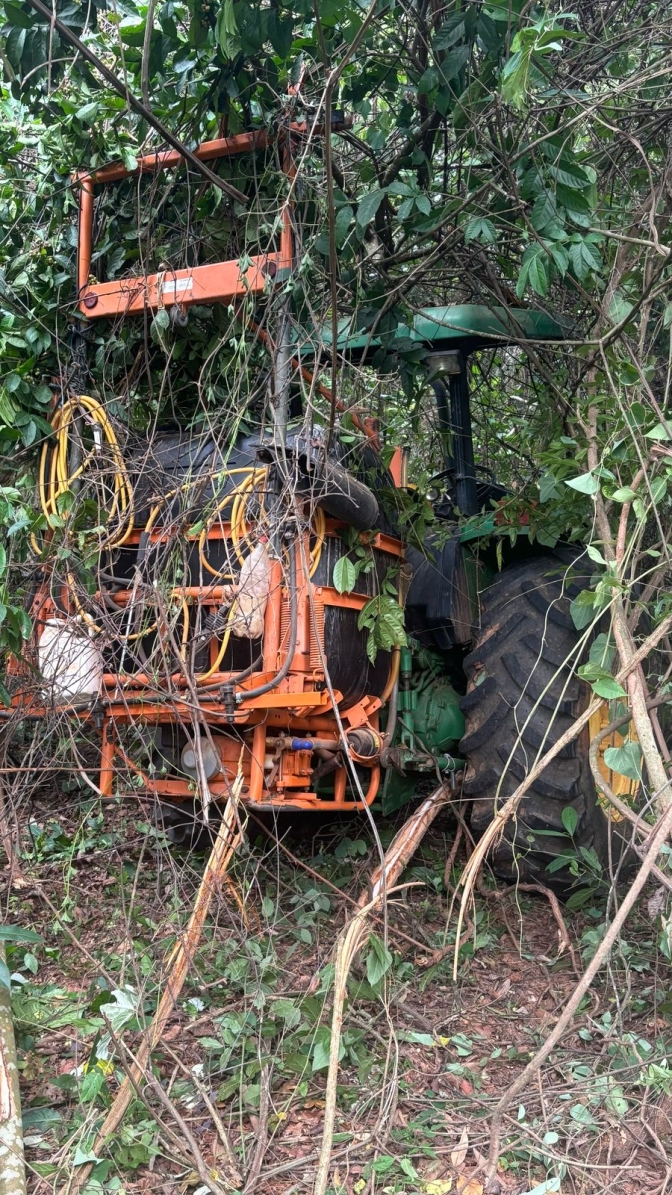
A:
(522, 696)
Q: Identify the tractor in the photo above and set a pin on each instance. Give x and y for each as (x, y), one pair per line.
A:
(252, 610)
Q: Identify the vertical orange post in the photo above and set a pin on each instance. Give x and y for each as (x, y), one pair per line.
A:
(257, 763)
(85, 232)
(272, 619)
(106, 762)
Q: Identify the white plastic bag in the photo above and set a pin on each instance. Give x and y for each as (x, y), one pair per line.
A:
(70, 662)
(253, 588)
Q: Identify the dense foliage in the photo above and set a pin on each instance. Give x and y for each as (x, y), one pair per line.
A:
(492, 153)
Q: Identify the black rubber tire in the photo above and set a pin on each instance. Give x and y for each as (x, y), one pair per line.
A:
(517, 660)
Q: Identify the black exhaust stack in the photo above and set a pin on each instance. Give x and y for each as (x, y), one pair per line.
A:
(452, 401)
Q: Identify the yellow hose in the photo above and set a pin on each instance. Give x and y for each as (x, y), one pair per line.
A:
(55, 481)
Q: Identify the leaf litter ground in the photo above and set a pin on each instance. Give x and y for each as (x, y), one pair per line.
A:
(424, 1059)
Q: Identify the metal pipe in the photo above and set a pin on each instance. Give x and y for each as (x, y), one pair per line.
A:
(459, 452)
(463, 442)
(84, 240)
(443, 412)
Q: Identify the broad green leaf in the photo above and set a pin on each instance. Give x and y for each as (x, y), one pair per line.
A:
(367, 208)
(582, 609)
(609, 689)
(428, 81)
(581, 1114)
(657, 433)
(626, 760)
(342, 223)
(595, 554)
(549, 1185)
(624, 494)
(602, 652)
(227, 30)
(570, 819)
(321, 1051)
(545, 209)
(345, 575)
(17, 933)
(453, 63)
(585, 483)
(452, 31)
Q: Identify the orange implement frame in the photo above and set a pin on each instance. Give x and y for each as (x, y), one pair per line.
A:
(219, 282)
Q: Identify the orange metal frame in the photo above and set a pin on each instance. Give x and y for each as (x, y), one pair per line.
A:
(300, 705)
(221, 282)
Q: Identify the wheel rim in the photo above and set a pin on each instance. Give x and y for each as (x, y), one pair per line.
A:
(621, 786)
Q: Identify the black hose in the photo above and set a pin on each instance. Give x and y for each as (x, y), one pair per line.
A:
(236, 678)
(293, 633)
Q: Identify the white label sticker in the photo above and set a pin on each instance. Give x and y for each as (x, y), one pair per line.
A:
(177, 285)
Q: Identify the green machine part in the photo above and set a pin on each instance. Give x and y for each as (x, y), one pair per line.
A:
(428, 729)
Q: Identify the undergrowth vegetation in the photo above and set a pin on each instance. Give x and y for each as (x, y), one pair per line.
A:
(422, 1059)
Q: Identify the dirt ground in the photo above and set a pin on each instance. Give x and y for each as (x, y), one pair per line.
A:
(424, 1058)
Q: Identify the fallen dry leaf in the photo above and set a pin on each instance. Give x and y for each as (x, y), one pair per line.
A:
(655, 903)
(468, 1186)
(458, 1155)
(439, 1186)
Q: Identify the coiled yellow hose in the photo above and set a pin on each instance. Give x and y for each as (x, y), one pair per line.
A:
(55, 481)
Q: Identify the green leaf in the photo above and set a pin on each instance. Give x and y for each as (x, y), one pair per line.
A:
(342, 223)
(658, 489)
(16, 933)
(570, 819)
(367, 208)
(479, 228)
(545, 209)
(582, 609)
(534, 270)
(585, 483)
(452, 30)
(321, 1050)
(428, 81)
(453, 63)
(624, 494)
(657, 433)
(626, 760)
(83, 1155)
(602, 652)
(345, 575)
(280, 32)
(378, 960)
(581, 1114)
(595, 554)
(227, 30)
(608, 688)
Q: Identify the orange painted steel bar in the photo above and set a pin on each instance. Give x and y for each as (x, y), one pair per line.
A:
(220, 147)
(221, 282)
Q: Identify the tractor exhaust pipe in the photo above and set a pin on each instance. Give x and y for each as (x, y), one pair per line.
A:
(454, 413)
